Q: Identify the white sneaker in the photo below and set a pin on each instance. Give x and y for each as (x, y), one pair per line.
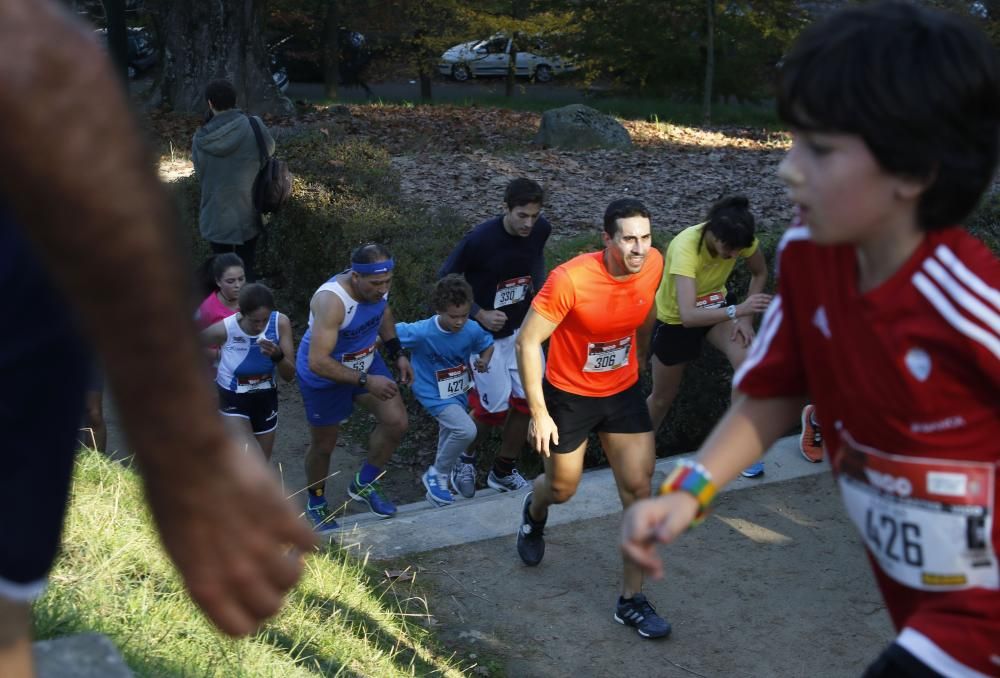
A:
(515, 481)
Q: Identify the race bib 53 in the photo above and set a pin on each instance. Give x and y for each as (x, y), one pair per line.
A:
(359, 360)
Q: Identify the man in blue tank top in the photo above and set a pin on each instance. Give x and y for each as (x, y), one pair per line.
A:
(86, 234)
(337, 365)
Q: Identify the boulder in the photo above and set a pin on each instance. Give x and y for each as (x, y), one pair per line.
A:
(576, 127)
(87, 655)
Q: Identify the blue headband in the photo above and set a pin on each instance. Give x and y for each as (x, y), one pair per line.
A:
(372, 269)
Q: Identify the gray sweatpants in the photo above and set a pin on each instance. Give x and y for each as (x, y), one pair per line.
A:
(456, 433)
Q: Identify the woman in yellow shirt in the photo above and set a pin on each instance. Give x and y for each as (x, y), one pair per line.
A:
(692, 302)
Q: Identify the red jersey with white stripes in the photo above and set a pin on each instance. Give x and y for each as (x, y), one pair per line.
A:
(906, 383)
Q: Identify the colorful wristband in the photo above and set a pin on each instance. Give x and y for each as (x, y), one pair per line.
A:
(693, 478)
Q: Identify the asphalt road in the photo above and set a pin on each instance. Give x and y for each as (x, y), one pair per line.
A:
(442, 90)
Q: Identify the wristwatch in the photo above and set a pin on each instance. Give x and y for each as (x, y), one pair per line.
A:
(362, 378)
(731, 312)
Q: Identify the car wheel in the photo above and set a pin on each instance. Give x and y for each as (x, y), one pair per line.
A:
(543, 73)
(460, 72)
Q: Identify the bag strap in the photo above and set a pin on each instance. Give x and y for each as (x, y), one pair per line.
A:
(261, 147)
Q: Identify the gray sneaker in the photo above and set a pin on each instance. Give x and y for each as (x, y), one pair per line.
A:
(463, 480)
(515, 481)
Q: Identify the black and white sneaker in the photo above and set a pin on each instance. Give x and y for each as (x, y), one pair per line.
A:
(530, 543)
(636, 611)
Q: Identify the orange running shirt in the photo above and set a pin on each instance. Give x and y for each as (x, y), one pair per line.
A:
(592, 351)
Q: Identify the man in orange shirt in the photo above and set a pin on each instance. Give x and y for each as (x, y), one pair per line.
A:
(597, 310)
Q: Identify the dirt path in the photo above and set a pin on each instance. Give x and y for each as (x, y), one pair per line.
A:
(401, 482)
(775, 583)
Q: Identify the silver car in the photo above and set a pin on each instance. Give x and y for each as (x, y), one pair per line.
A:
(492, 56)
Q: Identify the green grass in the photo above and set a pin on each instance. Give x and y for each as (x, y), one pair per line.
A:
(687, 113)
(112, 577)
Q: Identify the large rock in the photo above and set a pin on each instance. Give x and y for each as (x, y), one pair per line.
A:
(88, 655)
(576, 127)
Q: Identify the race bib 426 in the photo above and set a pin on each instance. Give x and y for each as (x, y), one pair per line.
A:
(927, 522)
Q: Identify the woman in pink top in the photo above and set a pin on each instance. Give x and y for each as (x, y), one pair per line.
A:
(223, 301)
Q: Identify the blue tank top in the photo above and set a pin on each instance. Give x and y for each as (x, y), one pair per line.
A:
(355, 340)
(243, 368)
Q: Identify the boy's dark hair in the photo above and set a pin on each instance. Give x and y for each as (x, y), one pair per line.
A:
(254, 296)
(623, 208)
(370, 253)
(920, 87)
(451, 290)
(731, 221)
(221, 94)
(523, 192)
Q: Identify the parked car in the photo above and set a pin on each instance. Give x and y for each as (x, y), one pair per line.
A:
(492, 57)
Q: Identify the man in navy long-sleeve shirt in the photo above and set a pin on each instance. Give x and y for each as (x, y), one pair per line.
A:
(502, 259)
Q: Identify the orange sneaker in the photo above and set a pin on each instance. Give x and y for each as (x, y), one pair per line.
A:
(811, 440)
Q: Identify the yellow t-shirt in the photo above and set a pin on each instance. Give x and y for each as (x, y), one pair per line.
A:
(685, 258)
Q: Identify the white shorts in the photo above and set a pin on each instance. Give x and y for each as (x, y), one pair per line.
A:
(503, 381)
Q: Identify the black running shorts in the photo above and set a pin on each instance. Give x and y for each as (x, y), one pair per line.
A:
(577, 416)
(676, 344)
(896, 662)
(260, 407)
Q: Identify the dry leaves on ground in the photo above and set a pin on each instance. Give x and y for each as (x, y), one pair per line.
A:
(678, 187)
(463, 157)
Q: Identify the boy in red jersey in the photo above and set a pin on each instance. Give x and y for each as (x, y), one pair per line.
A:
(888, 316)
(597, 312)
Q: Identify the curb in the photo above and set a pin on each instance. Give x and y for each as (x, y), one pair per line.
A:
(419, 527)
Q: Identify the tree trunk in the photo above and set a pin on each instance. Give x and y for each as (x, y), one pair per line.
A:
(511, 67)
(426, 93)
(331, 50)
(205, 41)
(114, 14)
(706, 105)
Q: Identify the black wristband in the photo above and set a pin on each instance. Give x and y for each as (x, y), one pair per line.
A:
(393, 347)
(277, 357)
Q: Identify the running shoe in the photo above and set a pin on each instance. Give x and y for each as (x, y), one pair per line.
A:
(530, 543)
(463, 479)
(811, 440)
(515, 481)
(437, 488)
(636, 611)
(754, 470)
(372, 495)
(321, 518)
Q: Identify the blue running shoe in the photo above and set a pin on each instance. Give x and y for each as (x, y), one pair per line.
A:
(753, 470)
(372, 495)
(637, 612)
(437, 488)
(321, 518)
